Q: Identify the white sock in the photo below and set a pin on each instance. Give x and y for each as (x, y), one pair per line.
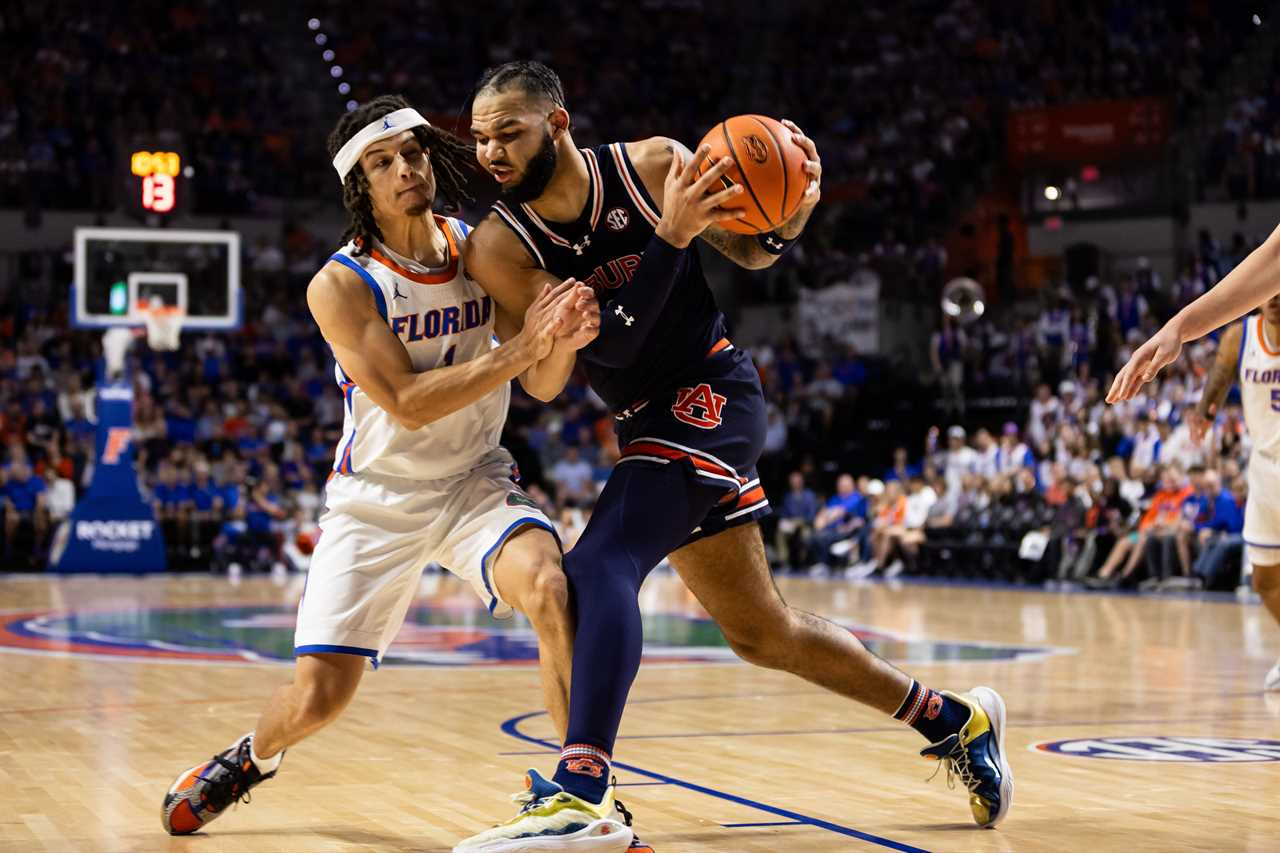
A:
(264, 765)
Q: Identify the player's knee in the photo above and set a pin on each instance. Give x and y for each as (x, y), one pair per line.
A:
(764, 642)
(1266, 580)
(547, 599)
(322, 700)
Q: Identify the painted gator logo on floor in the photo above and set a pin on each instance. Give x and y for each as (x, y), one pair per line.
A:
(431, 636)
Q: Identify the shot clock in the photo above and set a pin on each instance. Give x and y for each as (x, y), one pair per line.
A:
(156, 183)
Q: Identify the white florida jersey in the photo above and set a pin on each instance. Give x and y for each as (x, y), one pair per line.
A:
(442, 318)
(1260, 385)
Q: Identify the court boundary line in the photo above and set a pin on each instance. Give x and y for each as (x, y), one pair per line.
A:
(511, 728)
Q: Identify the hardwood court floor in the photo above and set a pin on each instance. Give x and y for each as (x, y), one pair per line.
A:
(124, 682)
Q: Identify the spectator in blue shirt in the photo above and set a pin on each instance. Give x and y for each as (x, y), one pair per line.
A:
(170, 497)
(24, 504)
(902, 468)
(1219, 527)
(843, 518)
(206, 509)
(172, 502)
(795, 523)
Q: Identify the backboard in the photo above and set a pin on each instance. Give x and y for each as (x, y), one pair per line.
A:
(116, 269)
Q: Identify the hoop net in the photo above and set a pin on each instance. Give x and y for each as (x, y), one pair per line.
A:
(164, 325)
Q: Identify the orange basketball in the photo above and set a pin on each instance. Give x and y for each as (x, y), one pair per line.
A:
(766, 162)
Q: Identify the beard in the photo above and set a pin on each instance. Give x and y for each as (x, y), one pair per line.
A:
(536, 175)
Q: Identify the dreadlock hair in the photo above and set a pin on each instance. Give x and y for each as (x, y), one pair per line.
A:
(530, 75)
(451, 161)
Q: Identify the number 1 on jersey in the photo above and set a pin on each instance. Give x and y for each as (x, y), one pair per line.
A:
(448, 357)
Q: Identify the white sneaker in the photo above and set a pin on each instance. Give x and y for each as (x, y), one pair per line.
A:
(865, 569)
(1272, 681)
(844, 546)
(894, 569)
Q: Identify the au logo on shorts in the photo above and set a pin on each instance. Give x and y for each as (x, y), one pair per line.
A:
(1202, 750)
(699, 406)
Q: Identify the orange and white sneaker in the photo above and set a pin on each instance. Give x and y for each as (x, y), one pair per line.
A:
(203, 792)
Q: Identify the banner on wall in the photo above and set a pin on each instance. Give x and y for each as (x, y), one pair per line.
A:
(1088, 132)
(847, 312)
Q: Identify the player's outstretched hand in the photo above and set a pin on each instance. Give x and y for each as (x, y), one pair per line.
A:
(812, 165)
(688, 205)
(580, 318)
(543, 319)
(1147, 360)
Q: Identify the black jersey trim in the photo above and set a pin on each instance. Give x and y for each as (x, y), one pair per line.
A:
(505, 214)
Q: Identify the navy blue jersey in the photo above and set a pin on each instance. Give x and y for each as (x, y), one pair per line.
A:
(603, 249)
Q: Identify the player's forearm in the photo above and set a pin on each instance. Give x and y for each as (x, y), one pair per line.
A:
(422, 398)
(791, 229)
(1215, 392)
(1253, 282)
(742, 249)
(546, 379)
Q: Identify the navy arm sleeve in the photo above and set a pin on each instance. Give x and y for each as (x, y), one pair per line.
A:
(626, 321)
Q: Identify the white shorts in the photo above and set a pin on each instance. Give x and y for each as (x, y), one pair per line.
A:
(379, 533)
(1262, 510)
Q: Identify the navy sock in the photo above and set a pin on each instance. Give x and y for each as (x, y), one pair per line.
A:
(584, 771)
(643, 514)
(931, 714)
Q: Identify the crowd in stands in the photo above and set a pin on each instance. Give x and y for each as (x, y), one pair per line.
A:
(235, 433)
(235, 436)
(1242, 160)
(1076, 491)
(906, 100)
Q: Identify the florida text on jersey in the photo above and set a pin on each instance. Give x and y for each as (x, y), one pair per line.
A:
(443, 318)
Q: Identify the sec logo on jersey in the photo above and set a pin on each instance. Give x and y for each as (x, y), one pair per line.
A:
(617, 219)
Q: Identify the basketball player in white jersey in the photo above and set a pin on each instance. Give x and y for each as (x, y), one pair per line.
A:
(1250, 352)
(419, 475)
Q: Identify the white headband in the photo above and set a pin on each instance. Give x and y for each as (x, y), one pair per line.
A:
(375, 131)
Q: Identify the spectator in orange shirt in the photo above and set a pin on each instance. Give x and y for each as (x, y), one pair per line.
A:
(1160, 520)
(888, 523)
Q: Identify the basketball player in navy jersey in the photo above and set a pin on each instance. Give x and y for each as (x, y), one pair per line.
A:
(690, 421)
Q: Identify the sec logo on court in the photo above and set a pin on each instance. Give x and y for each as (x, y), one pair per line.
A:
(1202, 750)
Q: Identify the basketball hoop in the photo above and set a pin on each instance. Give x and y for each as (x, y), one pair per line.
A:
(164, 325)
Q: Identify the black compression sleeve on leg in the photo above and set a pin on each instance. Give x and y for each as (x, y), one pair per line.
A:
(643, 514)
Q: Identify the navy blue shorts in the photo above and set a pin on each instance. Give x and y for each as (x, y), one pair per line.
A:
(712, 422)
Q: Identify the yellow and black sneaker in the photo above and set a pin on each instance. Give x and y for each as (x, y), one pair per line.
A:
(975, 755)
(552, 819)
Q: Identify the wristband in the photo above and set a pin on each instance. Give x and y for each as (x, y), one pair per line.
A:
(774, 243)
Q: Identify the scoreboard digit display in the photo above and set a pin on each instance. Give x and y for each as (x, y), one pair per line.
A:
(155, 181)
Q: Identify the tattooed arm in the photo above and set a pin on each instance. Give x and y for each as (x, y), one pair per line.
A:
(1221, 377)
